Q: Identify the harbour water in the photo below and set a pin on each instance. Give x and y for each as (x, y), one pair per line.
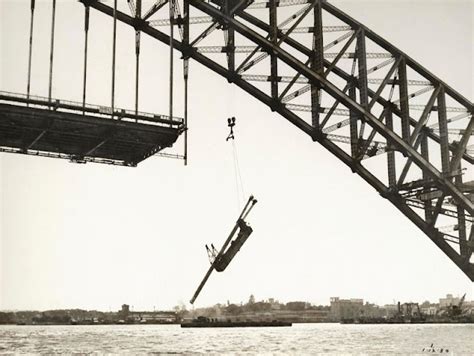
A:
(300, 339)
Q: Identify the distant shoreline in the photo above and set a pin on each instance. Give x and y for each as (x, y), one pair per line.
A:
(296, 322)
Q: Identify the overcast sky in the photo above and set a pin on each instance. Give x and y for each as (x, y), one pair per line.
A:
(96, 236)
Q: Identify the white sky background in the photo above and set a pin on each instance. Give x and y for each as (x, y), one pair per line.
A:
(95, 236)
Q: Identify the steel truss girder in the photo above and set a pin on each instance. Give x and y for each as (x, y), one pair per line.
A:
(384, 44)
(457, 150)
(334, 91)
(444, 184)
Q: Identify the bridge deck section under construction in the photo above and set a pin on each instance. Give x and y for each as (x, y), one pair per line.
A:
(82, 134)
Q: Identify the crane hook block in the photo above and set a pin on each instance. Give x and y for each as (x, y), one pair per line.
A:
(231, 124)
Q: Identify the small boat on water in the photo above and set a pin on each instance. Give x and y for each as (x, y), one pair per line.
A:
(203, 322)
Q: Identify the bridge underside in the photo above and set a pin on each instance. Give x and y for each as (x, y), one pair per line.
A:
(391, 121)
(81, 138)
(403, 130)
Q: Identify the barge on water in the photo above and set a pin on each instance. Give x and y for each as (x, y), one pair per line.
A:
(203, 322)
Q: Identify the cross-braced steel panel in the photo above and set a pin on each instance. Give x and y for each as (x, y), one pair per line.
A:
(63, 129)
(398, 126)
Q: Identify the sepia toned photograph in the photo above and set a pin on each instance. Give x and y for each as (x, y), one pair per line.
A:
(227, 177)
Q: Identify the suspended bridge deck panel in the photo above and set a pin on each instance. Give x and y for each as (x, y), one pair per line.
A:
(79, 137)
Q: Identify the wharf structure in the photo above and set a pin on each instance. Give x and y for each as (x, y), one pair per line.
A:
(146, 317)
(355, 309)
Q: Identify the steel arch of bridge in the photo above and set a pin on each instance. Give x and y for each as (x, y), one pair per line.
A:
(429, 195)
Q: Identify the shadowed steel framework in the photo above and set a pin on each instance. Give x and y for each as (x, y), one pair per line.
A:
(390, 120)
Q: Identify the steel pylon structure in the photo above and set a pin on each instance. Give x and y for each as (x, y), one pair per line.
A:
(390, 120)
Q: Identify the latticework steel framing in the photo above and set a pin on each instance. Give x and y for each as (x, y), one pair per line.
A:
(64, 129)
(403, 130)
(407, 132)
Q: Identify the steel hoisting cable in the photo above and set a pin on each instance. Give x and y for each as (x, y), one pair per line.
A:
(114, 47)
(238, 169)
(137, 70)
(186, 75)
(51, 55)
(138, 14)
(86, 41)
(171, 2)
(30, 50)
(238, 176)
(185, 37)
(237, 192)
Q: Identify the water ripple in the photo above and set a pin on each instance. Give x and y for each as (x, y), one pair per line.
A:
(301, 339)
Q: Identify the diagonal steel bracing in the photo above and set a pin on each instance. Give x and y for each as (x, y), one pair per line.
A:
(422, 197)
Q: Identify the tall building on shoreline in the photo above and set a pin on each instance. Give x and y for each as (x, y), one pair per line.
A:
(345, 308)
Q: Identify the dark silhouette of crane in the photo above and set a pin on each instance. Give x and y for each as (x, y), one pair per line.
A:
(220, 260)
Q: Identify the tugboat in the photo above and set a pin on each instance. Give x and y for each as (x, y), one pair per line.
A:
(203, 322)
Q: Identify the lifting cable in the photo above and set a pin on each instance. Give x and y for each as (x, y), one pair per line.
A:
(86, 45)
(238, 175)
(186, 75)
(114, 52)
(239, 186)
(185, 39)
(51, 55)
(32, 19)
(171, 45)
